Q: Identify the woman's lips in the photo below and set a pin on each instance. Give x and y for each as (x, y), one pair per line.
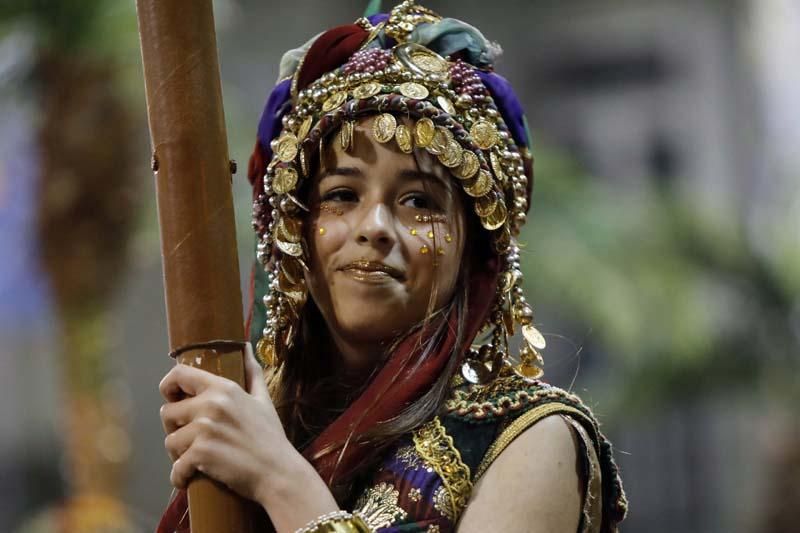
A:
(372, 271)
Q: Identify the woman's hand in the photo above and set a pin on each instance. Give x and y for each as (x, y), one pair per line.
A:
(215, 427)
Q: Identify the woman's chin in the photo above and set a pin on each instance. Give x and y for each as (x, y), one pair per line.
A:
(371, 324)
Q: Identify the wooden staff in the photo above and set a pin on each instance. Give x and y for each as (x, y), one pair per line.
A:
(195, 211)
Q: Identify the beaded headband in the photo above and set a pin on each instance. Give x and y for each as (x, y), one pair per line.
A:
(453, 116)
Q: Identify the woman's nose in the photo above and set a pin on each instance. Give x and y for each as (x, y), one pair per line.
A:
(377, 227)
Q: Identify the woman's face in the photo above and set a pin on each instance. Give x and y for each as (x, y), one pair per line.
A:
(385, 238)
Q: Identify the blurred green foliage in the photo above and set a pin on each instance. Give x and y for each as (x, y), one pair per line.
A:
(684, 304)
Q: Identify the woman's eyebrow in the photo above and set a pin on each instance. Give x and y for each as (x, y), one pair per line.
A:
(421, 175)
(341, 171)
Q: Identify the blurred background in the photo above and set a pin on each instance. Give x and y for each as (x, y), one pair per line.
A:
(662, 252)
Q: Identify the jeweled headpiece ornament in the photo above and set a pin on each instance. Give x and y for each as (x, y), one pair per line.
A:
(438, 73)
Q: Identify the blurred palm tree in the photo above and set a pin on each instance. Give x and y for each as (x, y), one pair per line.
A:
(86, 212)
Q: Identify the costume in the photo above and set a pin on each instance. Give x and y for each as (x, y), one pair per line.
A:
(436, 73)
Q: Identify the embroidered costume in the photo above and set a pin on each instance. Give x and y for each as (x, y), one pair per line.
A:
(430, 84)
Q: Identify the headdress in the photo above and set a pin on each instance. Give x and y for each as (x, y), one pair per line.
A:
(437, 72)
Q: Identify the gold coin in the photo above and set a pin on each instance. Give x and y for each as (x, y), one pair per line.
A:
(419, 59)
(494, 159)
(446, 105)
(474, 372)
(502, 241)
(265, 350)
(508, 280)
(305, 127)
(303, 162)
(287, 285)
(297, 298)
(484, 134)
(365, 90)
(429, 61)
(292, 269)
(414, 90)
(285, 179)
(441, 137)
(451, 157)
(479, 185)
(496, 218)
(289, 229)
(529, 371)
(383, 127)
(334, 101)
(295, 249)
(508, 320)
(534, 337)
(403, 137)
(486, 204)
(423, 132)
(346, 135)
(286, 147)
(529, 355)
(470, 164)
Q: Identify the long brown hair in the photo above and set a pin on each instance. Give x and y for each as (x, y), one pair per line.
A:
(309, 392)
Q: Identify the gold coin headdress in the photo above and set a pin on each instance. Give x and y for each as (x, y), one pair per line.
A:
(461, 112)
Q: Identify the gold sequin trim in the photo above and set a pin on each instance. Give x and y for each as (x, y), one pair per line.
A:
(410, 459)
(443, 504)
(379, 506)
(415, 495)
(500, 396)
(433, 528)
(436, 448)
(516, 428)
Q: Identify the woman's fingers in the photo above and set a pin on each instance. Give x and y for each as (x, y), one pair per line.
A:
(182, 471)
(178, 414)
(178, 441)
(185, 380)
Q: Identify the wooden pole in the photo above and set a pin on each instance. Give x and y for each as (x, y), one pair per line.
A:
(195, 211)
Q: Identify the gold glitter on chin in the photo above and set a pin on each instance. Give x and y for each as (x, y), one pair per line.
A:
(322, 231)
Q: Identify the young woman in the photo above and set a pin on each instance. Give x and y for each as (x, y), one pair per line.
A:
(391, 176)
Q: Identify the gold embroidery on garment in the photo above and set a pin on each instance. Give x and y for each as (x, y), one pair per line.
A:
(500, 396)
(433, 528)
(379, 506)
(410, 459)
(443, 503)
(436, 448)
(516, 428)
(593, 493)
(415, 495)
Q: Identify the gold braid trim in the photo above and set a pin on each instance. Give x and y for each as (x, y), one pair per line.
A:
(516, 428)
(593, 499)
(436, 448)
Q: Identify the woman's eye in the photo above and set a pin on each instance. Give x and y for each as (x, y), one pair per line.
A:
(340, 195)
(418, 201)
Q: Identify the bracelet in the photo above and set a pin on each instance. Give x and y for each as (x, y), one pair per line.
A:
(336, 522)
